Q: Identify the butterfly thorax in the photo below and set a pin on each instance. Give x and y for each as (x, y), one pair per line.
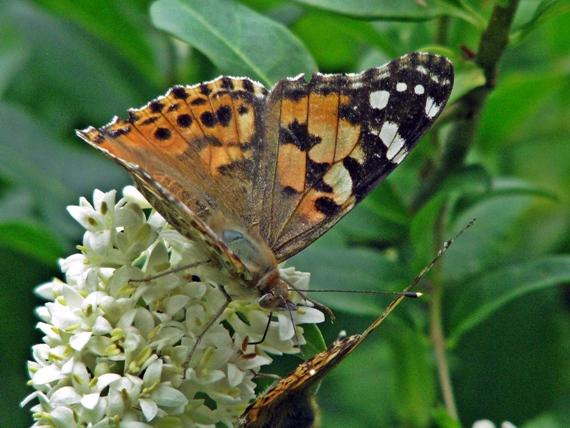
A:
(254, 253)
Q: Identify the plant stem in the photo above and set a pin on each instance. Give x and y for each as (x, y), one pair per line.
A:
(437, 334)
(467, 110)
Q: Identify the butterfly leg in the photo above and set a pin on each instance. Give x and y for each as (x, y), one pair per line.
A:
(314, 302)
(267, 329)
(210, 324)
(265, 332)
(168, 272)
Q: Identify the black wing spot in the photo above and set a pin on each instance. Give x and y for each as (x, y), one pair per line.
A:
(205, 89)
(327, 206)
(162, 134)
(289, 191)
(198, 102)
(227, 83)
(248, 85)
(156, 106)
(298, 134)
(150, 120)
(179, 93)
(133, 116)
(114, 133)
(315, 172)
(294, 94)
(208, 119)
(98, 139)
(224, 115)
(242, 110)
(351, 113)
(184, 120)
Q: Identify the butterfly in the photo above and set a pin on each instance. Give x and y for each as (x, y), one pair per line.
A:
(290, 402)
(252, 176)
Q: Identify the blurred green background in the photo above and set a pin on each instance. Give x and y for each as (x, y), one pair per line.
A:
(497, 305)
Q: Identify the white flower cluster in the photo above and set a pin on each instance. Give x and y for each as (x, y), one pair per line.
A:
(485, 423)
(114, 350)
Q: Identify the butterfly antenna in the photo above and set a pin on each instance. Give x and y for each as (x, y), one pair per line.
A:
(417, 279)
(446, 245)
(308, 299)
(406, 292)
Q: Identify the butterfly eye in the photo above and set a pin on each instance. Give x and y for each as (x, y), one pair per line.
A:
(232, 236)
(276, 302)
(267, 301)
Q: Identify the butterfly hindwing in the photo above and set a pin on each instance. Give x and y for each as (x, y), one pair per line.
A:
(290, 402)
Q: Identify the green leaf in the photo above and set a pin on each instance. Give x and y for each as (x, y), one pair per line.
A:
(13, 54)
(443, 419)
(128, 36)
(438, 214)
(466, 79)
(34, 241)
(480, 299)
(506, 120)
(335, 266)
(362, 385)
(543, 12)
(50, 174)
(235, 38)
(337, 41)
(495, 238)
(69, 77)
(380, 220)
(415, 380)
(315, 341)
(393, 10)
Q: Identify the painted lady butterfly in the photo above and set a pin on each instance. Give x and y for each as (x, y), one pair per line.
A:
(290, 402)
(252, 176)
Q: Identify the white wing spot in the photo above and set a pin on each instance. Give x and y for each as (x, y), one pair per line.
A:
(339, 179)
(419, 89)
(401, 87)
(422, 69)
(379, 99)
(432, 109)
(393, 141)
(400, 156)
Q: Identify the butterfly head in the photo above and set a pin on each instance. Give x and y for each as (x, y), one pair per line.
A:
(275, 293)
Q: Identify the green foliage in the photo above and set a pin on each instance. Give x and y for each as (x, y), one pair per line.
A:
(500, 152)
